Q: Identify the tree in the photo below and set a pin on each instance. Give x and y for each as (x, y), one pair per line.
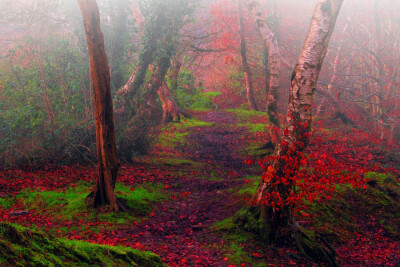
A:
(270, 45)
(107, 161)
(270, 206)
(159, 23)
(245, 64)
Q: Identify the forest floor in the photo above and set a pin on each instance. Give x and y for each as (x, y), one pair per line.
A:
(182, 195)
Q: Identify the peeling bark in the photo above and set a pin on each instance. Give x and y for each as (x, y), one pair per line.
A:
(107, 161)
(298, 120)
(270, 44)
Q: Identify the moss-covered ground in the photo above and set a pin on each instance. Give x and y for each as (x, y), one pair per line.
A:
(20, 246)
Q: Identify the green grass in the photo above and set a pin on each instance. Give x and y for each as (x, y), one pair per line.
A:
(245, 116)
(66, 203)
(73, 203)
(191, 123)
(6, 203)
(254, 127)
(212, 176)
(236, 240)
(248, 189)
(175, 133)
(203, 101)
(172, 160)
(172, 139)
(212, 94)
(22, 247)
(380, 177)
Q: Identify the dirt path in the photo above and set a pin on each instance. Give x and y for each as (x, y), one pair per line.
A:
(179, 230)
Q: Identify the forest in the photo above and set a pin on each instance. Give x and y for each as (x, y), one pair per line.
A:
(199, 133)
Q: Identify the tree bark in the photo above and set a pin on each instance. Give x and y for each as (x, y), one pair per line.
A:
(270, 44)
(173, 74)
(276, 221)
(245, 64)
(107, 161)
(171, 111)
(329, 92)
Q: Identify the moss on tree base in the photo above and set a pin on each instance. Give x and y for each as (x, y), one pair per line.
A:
(249, 218)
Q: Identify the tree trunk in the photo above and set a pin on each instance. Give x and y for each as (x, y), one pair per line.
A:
(173, 74)
(329, 92)
(171, 111)
(116, 54)
(107, 162)
(246, 67)
(270, 44)
(275, 221)
(272, 69)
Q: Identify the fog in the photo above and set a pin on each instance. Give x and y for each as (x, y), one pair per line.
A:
(42, 45)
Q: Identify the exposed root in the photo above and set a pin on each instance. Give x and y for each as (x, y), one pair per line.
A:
(249, 218)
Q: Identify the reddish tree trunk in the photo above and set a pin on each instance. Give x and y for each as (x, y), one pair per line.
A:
(171, 111)
(107, 162)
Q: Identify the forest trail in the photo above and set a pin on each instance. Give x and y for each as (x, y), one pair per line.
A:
(179, 231)
(181, 196)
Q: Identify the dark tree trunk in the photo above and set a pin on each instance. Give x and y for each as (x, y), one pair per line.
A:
(245, 64)
(107, 162)
(174, 73)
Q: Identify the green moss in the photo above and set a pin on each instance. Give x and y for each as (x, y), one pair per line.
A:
(73, 202)
(246, 113)
(379, 200)
(172, 139)
(174, 161)
(212, 94)
(249, 188)
(212, 176)
(6, 203)
(237, 255)
(22, 247)
(193, 122)
(237, 241)
(254, 127)
(175, 134)
(141, 197)
(380, 177)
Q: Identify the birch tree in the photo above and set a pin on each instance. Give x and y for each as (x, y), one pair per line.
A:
(270, 214)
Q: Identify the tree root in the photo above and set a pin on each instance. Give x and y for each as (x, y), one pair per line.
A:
(121, 206)
(249, 218)
(309, 247)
